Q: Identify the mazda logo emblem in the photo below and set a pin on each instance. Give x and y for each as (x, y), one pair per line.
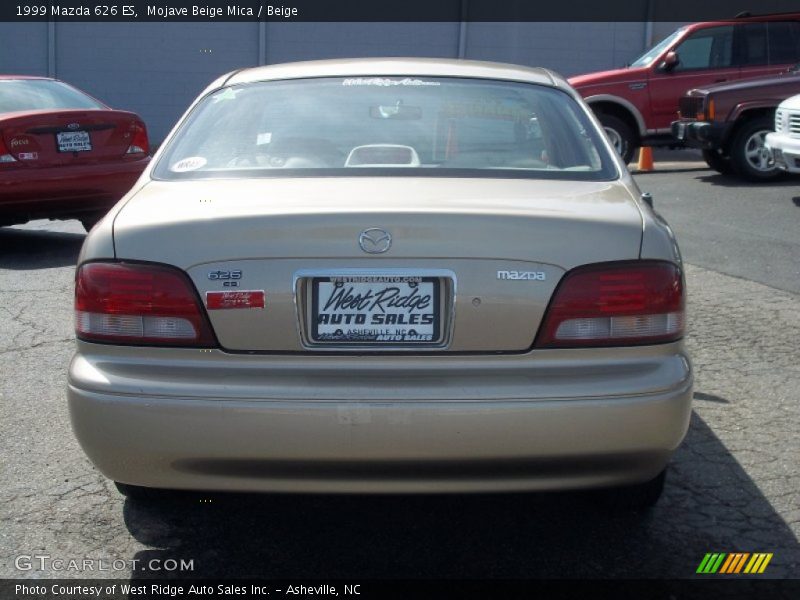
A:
(375, 240)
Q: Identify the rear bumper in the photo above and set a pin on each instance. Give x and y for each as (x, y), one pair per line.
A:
(381, 425)
(785, 151)
(699, 134)
(64, 191)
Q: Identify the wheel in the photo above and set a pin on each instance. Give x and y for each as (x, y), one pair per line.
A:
(749, 156)
(620, 135)
(718, 162)
(636, 497)
(89, 221)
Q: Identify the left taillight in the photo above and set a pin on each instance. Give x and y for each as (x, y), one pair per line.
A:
(5, 155)
(139, 304)
(139, 142)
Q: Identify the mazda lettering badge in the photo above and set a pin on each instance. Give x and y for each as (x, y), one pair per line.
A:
(375, 240)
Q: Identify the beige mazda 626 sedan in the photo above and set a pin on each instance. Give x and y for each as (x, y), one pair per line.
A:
(391, 275)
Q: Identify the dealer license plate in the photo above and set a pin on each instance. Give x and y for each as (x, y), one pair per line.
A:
(74, 141)
(375, 310)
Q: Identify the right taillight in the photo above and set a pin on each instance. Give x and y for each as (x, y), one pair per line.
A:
(615, 304)
(139, 142)
(143, 304)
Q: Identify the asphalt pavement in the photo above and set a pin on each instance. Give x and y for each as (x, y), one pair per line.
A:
(748, 230)
(732, 486)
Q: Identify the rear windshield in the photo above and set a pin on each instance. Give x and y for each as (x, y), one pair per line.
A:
(387, 125)
(41, 94)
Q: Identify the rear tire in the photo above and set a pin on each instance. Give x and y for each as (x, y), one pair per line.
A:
(721, 164)
(748, 155)
(620, 135)
(637, 497)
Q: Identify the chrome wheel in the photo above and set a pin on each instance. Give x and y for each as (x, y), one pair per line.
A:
(756, 153)
(748, 153)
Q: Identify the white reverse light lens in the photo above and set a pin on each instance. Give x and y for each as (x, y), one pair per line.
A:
(134, 326)
(168, 327)
(620, 327)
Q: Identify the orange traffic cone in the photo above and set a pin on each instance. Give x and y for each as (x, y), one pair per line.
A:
(645, 159)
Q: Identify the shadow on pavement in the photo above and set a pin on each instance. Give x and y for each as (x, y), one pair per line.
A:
(735, 182)
(25, 249)
(661, 169)
(710, 398)
(677, 155)
(671, 161)
(710, 505)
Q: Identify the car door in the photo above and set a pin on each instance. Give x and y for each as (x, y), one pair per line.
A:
(705, 57)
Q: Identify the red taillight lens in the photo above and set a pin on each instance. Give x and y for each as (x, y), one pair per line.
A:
(139, 141)
(139, 304)
(5, 155)
(615, 304)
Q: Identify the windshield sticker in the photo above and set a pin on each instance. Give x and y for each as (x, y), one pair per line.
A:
(226, 94)
(188, 164)
(384, 82)
(263, 138)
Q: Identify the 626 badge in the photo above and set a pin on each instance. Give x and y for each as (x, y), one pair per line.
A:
(228, 278)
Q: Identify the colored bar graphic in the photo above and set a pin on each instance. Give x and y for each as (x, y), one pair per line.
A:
(728, 563)
(718, 563)
(703, 563)
(734, 560)
(742, 561)
(733, 563)
(758, 563)
(765, 563)
(753, 564)
(740, 564)
(711, 563)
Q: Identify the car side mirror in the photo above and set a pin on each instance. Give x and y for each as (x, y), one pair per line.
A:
(670, 61)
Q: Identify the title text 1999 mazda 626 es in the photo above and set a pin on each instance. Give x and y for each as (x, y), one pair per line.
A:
(382, 276)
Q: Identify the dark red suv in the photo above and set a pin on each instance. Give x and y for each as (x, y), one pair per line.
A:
(638, 103)
(730, 123)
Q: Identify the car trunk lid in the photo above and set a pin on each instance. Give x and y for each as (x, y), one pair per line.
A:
(498, 247)
(68, 137)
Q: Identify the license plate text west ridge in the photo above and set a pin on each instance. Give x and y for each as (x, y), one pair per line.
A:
(375, 310)
(73, 141)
